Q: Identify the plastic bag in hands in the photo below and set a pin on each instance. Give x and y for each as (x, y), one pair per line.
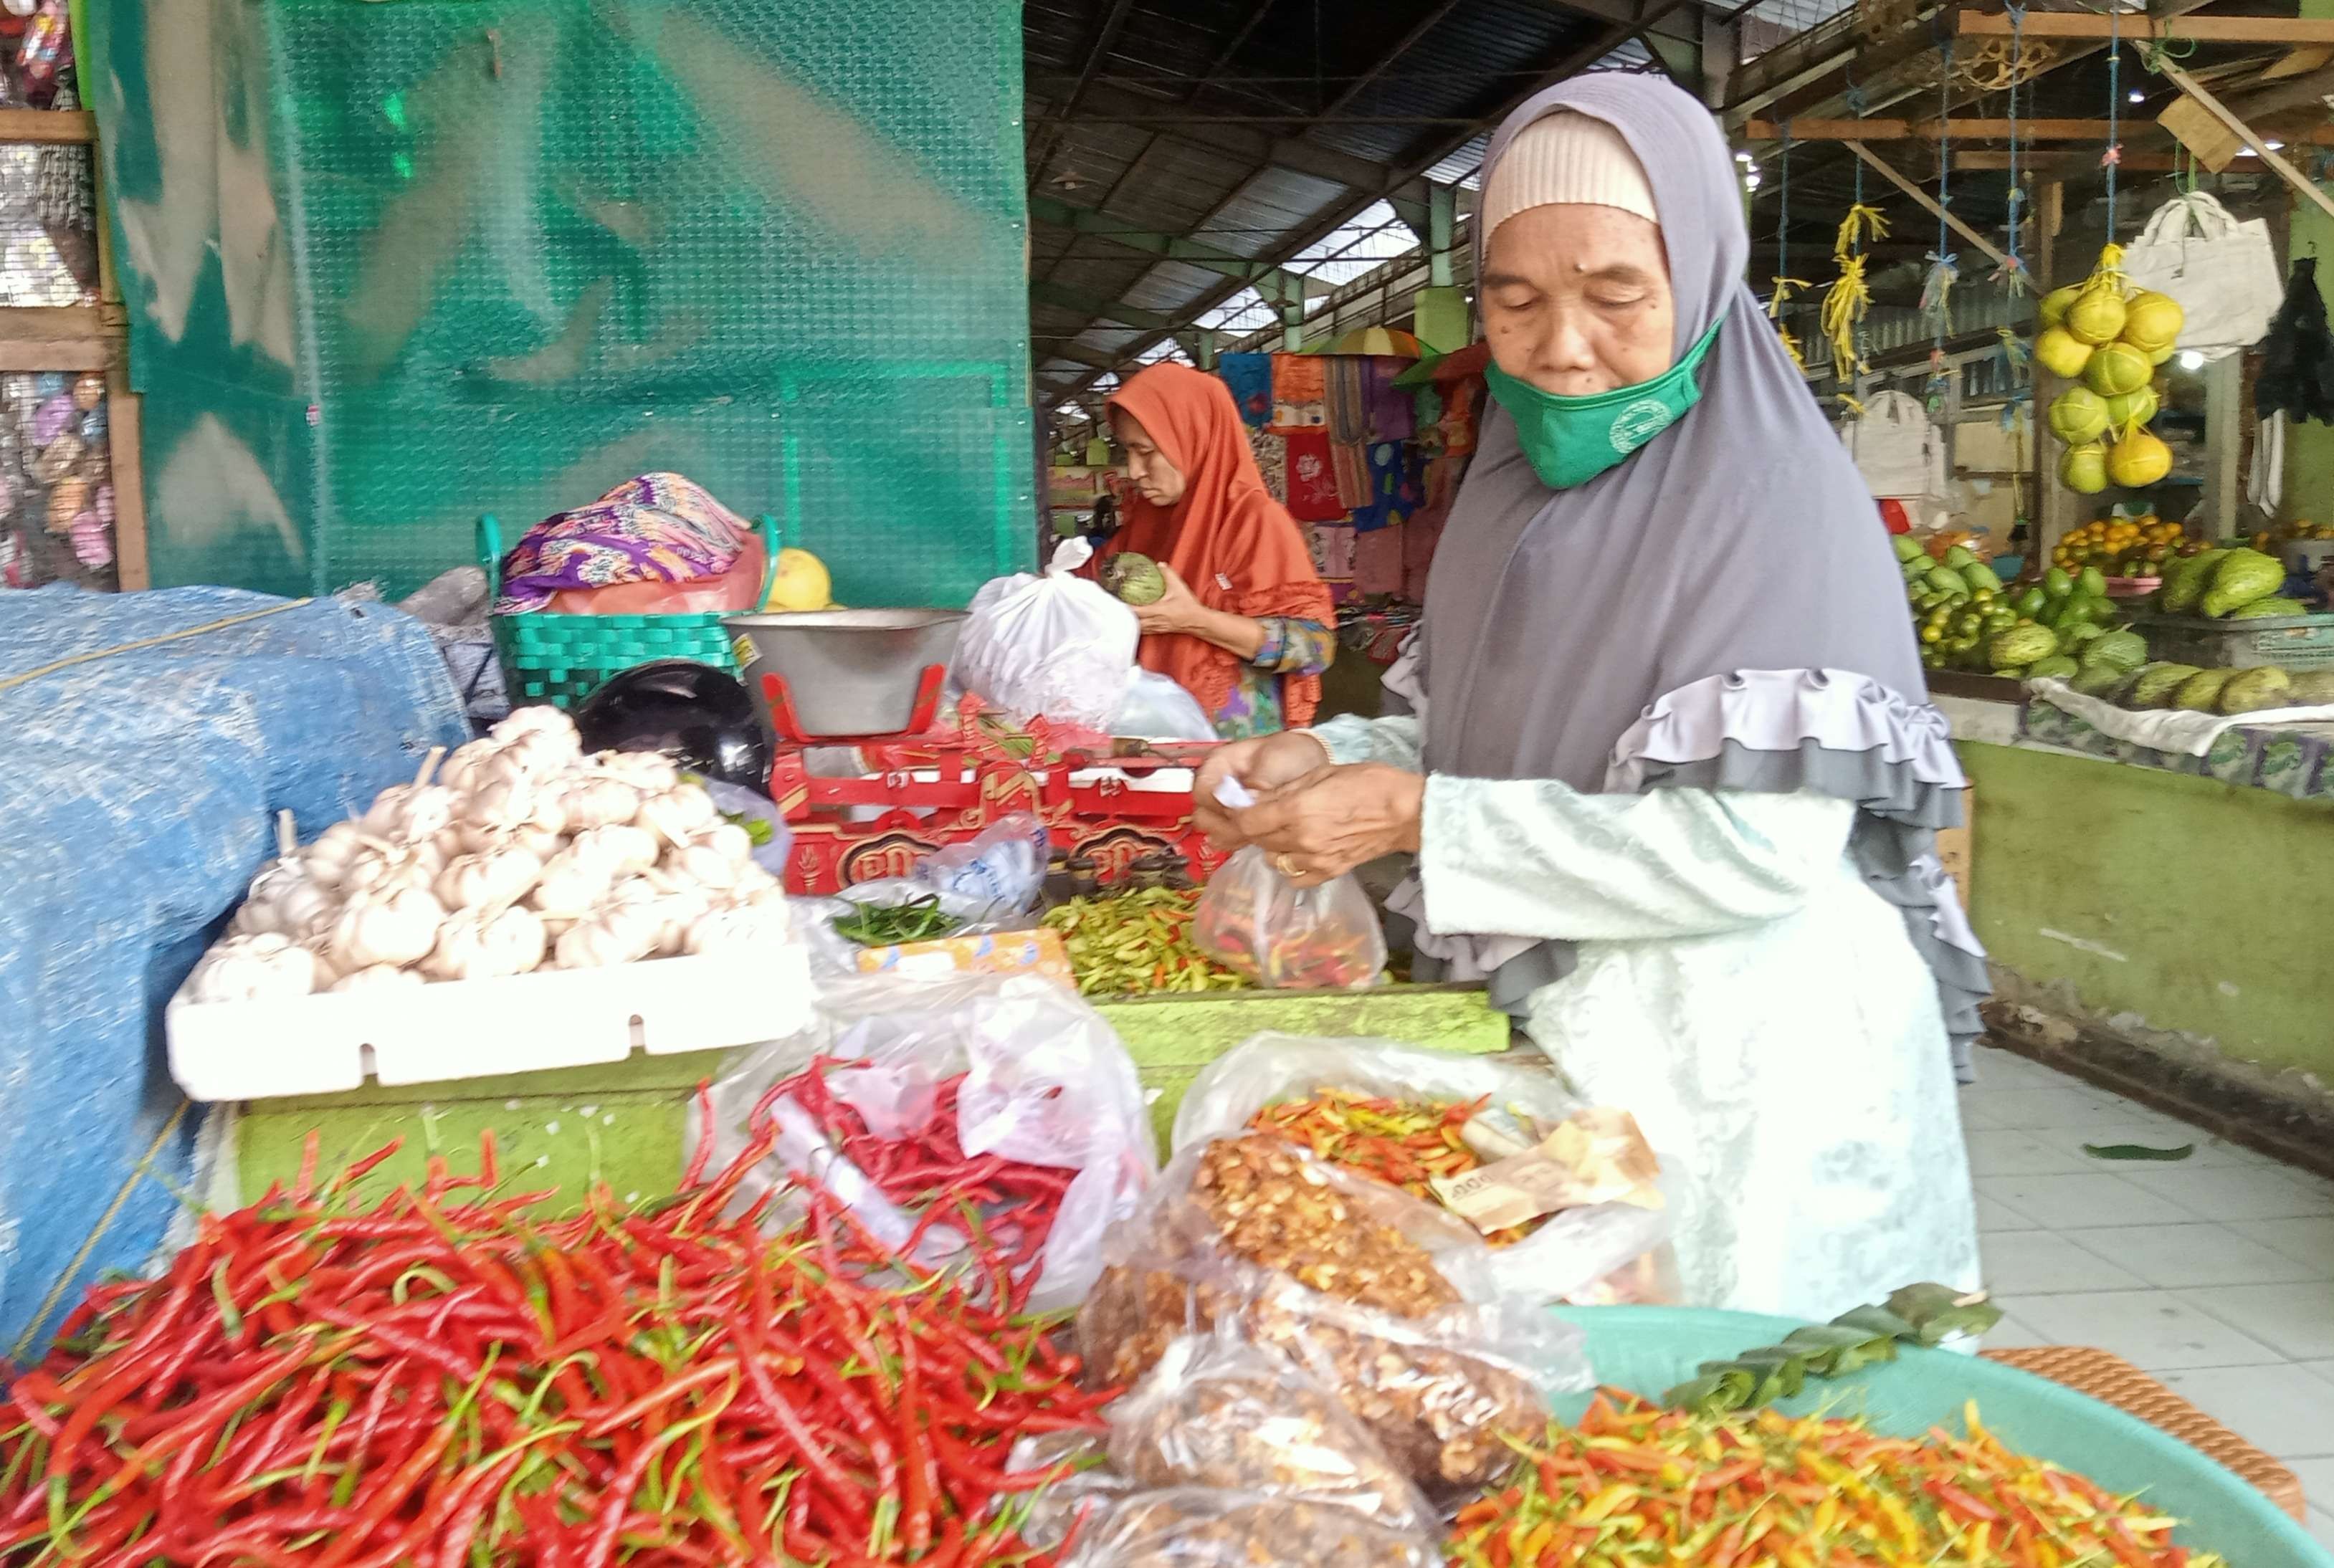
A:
(1049, 1083)
(1256, 922)
(1383, 1298)
(1217, 1411)
(1199, 1527)
(1600, 1254)
(1057, 645)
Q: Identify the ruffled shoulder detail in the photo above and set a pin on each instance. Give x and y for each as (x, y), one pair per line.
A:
(1844, 735)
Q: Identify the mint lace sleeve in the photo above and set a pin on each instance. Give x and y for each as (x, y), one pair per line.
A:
(1394, 740)
(1536, 859)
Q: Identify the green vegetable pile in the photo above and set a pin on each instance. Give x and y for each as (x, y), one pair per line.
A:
(1129, 943)
(1968, 619)
(884, 924)
(2236, 584)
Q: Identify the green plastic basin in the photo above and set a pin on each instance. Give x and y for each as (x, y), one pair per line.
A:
(1650, 1348)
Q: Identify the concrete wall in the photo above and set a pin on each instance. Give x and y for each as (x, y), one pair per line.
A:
(2200, 907)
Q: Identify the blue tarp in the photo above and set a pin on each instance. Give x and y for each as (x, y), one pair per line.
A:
(147, 741)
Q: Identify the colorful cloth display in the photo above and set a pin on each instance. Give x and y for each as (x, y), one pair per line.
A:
(1299, 392)
(655, 528)
(1312, 479)
(1249, 379)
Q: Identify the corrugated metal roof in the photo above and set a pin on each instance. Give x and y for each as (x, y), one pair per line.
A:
(1251, 126)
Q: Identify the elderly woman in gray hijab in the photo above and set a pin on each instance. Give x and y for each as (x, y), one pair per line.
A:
(1669, 767)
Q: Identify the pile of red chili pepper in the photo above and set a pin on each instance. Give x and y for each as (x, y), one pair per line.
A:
(448, 1377)
(1401, 1142)
(1011, 1204)
(1636, 1484)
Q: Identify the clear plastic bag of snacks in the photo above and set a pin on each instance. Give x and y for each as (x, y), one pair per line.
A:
(1200, 1527)
(1385, 1300)
(1217, 1412)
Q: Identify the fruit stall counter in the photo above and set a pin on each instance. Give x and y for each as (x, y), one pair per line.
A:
(2190, 901)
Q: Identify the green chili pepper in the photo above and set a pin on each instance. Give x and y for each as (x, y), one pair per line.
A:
(885, 925)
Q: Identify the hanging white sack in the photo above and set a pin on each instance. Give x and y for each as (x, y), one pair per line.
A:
(1898, 448)
(2223, 274)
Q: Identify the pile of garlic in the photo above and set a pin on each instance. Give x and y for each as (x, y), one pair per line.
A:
(522, 855)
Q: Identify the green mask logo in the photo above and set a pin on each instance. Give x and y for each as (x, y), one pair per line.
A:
(1569, 441)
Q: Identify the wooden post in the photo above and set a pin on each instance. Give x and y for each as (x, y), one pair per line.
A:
(124, 429)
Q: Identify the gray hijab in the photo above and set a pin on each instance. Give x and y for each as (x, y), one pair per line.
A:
(1721, 609)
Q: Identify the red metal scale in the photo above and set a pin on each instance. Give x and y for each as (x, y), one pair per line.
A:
(936, 783)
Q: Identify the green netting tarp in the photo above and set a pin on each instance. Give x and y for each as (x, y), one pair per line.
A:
(393, 265)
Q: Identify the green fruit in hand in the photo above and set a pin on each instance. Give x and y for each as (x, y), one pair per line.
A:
(2079, 415)
(2242, 577)
(2115, 368)
(2084, 469)
(2267, 609)
(1133, 578)
(2251, 690)
(2058, 666)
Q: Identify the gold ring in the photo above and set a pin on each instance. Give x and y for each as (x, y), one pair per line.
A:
(1288, 865)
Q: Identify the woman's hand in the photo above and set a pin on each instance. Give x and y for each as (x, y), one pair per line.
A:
(1264, 763)
(1177, 610)
(1327, 822)
(1180, 611)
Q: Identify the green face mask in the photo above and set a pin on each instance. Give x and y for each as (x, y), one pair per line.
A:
(1571, 441)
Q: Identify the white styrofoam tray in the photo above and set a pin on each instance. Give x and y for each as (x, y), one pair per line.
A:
(331, 1041)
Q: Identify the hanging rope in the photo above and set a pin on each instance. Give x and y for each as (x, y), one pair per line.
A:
(2011, 274)
(1944, 266)
(1785, 283)
(2113, 156)
(1849, 296)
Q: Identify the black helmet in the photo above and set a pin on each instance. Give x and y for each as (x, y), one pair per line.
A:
(698, 715)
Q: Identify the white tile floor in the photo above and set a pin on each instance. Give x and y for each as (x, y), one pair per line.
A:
(2216, 1275)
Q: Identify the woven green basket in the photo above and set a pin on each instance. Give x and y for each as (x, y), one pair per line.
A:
(563, 658)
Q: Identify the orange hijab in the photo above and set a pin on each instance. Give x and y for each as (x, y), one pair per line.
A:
(1230, 542)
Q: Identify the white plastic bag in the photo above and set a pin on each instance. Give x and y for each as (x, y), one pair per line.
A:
(2223, 274)
(1574, 1256)
(1047, 1084)
(1896, 447)
(1157, 709)
(1057, 645)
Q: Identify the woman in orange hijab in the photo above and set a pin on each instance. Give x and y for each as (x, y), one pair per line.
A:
(1245, 623)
